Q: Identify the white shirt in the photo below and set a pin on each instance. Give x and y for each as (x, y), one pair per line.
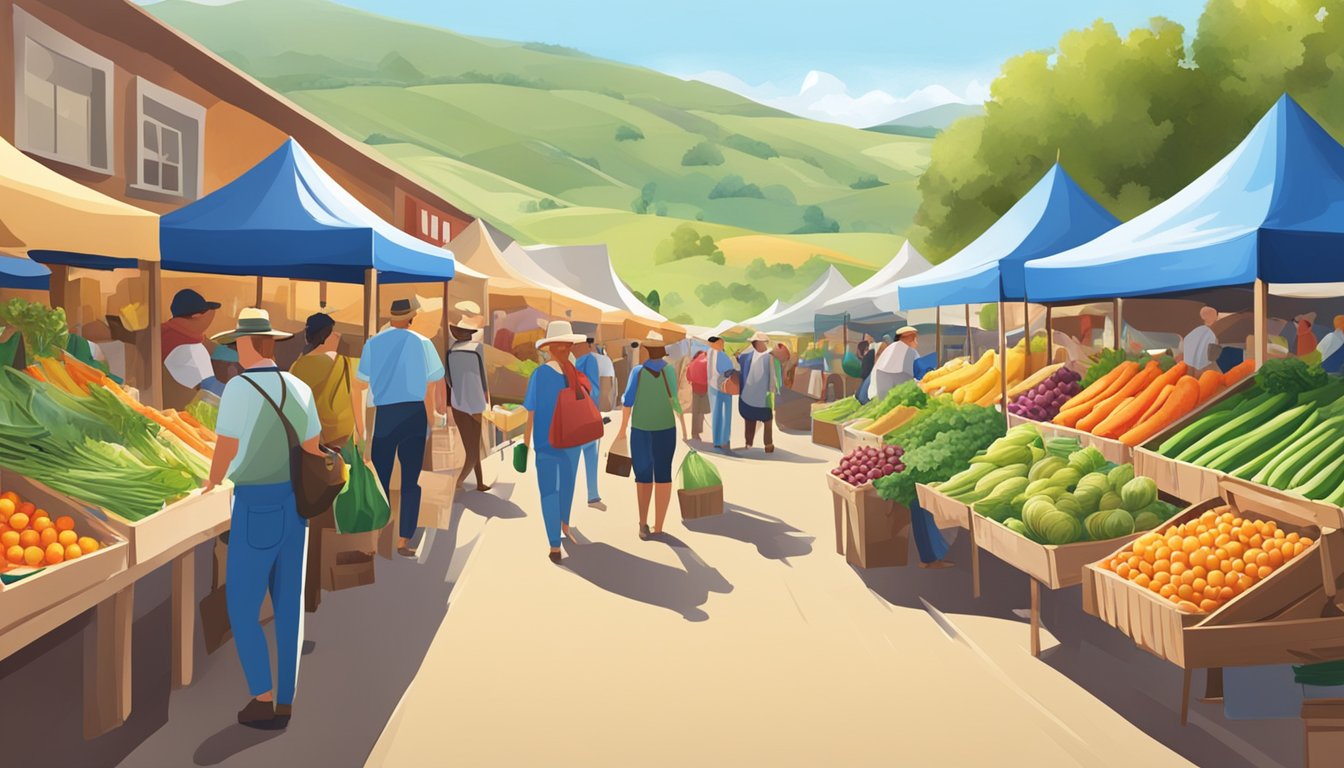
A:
(605, 368)
(1195, 347)
(1330, 344)
(717, 366)
(894, 367)
(189, 365)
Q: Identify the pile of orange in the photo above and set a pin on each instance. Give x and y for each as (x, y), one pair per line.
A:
(30, 537)
(1201, 564)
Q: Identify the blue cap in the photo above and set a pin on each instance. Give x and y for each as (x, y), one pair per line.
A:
(187, 302)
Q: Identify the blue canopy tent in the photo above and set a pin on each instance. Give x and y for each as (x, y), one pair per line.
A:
(23, 274)
(1271, 211)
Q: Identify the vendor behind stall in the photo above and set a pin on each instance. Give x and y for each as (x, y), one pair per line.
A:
(896, 364)
(1199, 348)
(185, 357)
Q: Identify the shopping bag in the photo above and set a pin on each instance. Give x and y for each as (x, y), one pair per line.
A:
(618, 458)
(520, 457)
(816, 385)
(361, 505)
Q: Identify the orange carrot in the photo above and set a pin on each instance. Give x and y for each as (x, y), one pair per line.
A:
(1128, 416)
(1079, 407)
(1161, 398)
(1110, 426)
(1210, 382)
(86, 371)
(1132, 387)
(1239, 371)
(1183, 399)
(35, 372)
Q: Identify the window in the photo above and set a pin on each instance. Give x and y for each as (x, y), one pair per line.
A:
(170, 133)
(424, 222)
(433, 227)
(63, 101)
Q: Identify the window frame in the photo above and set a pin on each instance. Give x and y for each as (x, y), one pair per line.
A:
(27, 28)
(144, 89)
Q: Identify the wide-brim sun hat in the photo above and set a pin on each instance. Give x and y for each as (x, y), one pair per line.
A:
(560, 332)
(404, 307)
(653, 339)
(759, 336)
(467, 323)
(904, 329)
(251, 322)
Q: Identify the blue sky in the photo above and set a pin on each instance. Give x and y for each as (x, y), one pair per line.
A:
(935, 50)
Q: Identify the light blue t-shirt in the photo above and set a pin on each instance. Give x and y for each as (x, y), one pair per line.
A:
(587, 365)
(543, 388)
(263, 446)
(399, 364)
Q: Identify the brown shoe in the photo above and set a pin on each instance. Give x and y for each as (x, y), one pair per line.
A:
(282, 714)
(769, 449)
(257, 714)
(406, 551)
(556, 557)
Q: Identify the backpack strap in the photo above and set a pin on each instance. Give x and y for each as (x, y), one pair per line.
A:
(290, 433)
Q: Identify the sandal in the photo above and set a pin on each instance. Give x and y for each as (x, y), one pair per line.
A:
(644, 532)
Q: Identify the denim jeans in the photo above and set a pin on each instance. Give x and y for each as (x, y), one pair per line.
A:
(268, 544)
(590, 469)
(557, 474)
(399, 432)
(721, 417)
(928, 539)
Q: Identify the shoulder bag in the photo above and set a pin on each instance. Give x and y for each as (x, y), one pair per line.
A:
(317, 477)
(576, 420)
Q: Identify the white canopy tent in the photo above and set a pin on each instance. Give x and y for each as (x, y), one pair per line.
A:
(588, 269)
(775, 309)
(876, 296)
(800, 318)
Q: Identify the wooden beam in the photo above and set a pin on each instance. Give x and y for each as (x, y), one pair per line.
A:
(937, 336)
(1261, 329)
(154, 302)
(1003, 357)
(261, 291)
(1049, 334)
(970, 348)
(184, 618)
(1026, 336)
(1035, 617)
(107, 664)
(1115, 322)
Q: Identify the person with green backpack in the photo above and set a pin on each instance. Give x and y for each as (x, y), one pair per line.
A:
(652, 407)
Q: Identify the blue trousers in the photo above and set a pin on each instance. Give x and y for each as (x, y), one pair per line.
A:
(557, 474)
(721, 417)
(928, 539)
(268, 547)
(399, 432)
(590, 469)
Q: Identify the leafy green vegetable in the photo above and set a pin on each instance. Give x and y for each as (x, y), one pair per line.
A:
(939, 442)
(204, 412)
(1289, 374)
(44, 330)
(908, 393)
(1102, 363)
(697, 472)
(840, 410)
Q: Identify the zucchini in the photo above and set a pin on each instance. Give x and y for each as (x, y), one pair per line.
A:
(1266, 409)
(1192, 432)
(1326, 482)
(1298, 458)
(1324, 395)
(1321, 460)
(1261, 440)
(1299, 452)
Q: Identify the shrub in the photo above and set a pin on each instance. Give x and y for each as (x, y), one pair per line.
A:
(703, 153)
(628, 133)
(717, 257)
(815, 221)
(868, 181)
(750, 146)
(759, 270)
(734, 186)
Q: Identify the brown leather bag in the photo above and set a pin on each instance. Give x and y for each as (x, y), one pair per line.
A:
(318, 478)
(732, 383)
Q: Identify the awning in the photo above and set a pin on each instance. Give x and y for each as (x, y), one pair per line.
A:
(61, 221)
(1271, 209)
(876, 297)
(800, 317)
(23, 274)
(1054, 216)
(285, 217)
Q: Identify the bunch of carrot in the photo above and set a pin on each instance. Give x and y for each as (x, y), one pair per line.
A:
(1133, 402)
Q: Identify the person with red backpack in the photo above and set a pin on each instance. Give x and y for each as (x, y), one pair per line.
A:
(562, 418)
(650, 403)
(697, 373)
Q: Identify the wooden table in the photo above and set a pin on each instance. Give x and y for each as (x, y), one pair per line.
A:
(107, 639)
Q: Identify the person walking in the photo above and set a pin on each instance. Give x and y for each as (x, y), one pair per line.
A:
(466, 394)
(585, 360)
(557, 468)
(606, 377)
(649, 404)
(697, 373)
(267, 537)
(759, 383)
(720, 366)
(338, 396)
(401, 368)
(1330, 345)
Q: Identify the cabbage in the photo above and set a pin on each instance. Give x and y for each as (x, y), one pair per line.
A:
(1119, 476)
(1060, 528)
(1110, 500)
(1139, 493)
(1109, 524)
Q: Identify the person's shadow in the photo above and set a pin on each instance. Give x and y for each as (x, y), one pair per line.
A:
(773, 538)
(231, 741)
(680, 590)
(493, 503)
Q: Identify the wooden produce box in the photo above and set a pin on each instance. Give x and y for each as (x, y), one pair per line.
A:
(702, 502)
(1054, 566)
(445, 448)
(876, 531)
(507, 386)
(347, 558)
(48, 585)
(1181, 479)
(192, 515)
(506, 420)
(1323, 723)
(826, 433)
(852, 436)
(437, 492)
(1279, 620)
(802, 380)
(1114, 450)
(947, 512)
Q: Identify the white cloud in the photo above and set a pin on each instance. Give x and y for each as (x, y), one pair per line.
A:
(823, 96)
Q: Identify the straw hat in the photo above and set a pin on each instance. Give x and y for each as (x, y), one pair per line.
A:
(468, 307)
(404, 307)
(560, 332)
(467, 322)
(654, 339)
(251, 322)
(759, 336)
(904, 329)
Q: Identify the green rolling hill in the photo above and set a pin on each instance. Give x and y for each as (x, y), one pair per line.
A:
(552, 145)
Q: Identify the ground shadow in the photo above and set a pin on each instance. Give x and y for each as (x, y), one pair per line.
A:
(793, 413)
(773, 538)
(493, 503)
(680, 590)
(757, 453)
(231, 741)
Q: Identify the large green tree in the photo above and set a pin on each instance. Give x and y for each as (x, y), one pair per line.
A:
(1133, 118)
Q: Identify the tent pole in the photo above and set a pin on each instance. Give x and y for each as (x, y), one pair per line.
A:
(154, 287)
(1115, 322)
(1261, 329)
(447, 337)
(1026, 337)
(970, 348)
(1049, 334)
(1003, 357)
(322, 295)
(261, 290)
(937, 336)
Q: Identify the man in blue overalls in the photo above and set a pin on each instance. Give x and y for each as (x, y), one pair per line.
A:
(267, 538)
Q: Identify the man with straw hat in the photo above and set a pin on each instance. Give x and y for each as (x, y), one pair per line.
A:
(267, 537)
(759, 382)
(557, 468)
(467, 393)
(402, 369)
(652, 407)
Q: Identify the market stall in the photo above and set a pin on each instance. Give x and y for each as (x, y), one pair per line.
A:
(588, 269)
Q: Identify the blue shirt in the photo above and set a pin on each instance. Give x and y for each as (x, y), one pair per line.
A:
(543, 388)
(399, 365)
(587, 365)
(263, 444)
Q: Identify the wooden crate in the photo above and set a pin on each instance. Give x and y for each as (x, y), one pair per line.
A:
(826, 433)
(189, 516)
(507, 386)
(1323, 723)
(1114, 450)
(852, 436)
(702, 502)
(1181, 479)
(49, 585)
(1279, 620)
(506, 420)
(877, 531)
(947, 512)
(1054, 566)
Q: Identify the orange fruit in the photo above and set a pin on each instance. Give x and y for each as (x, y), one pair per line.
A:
(1179, 556)
(9, 539)
(1298, 548)
(65, 523)
(1208, 606)
(1142, 580)
(1185, 591)
(1162, 577)
(33, 555)
(1239, 565)
(1145, 568)
(1225, 594)
(1187, 606)
(41, 513)
(6, 508)
(29, 538)
(87, 544)
(1122, 571)
(14, 554)
(47, 537)
(1166, 590)
(1216, 578)
(18, 521)
(1264, 571)
(55, 553)
(1305, 541)
(1162, 565)
(41, 524)
(72, 551)
(67, 538)
(1199, 585)
(1154, 586)
(1177, 569)
(1293, 537)
(1274, 558)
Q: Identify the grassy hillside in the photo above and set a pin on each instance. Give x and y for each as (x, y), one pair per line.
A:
(929, 122)
(552, 145)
